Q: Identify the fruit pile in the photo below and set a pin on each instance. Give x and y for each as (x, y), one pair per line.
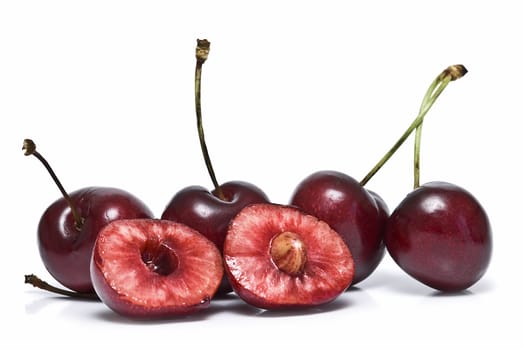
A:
(105, 243)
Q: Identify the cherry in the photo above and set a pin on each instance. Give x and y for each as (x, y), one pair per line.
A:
(151, 269)
(350, 210)
(440, 234)
(209, 212)
(68, 228)
(278, 257)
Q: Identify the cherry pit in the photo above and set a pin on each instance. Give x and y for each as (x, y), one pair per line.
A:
(104, 243)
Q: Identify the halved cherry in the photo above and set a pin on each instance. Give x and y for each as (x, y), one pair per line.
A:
(276, 257)
(147, 268)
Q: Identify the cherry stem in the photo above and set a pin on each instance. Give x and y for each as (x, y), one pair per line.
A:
(36, 282)
(417, 139)
(448, 75)
(439, 84)
(202, 52)
(29, 148)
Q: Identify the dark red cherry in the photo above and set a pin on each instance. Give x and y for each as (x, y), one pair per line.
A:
(202, 210)
(68, 229)
(403, 243)
(356, 214)
(440, 235)
(65, 248)
(210, 215)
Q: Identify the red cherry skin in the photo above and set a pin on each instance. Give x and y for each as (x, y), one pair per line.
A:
(64, 249)
(440, 235)
(203, 211)
(352, 211)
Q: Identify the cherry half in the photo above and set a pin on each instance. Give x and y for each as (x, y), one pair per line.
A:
(440, 234)
(209, 212)
(278, 257)
(69, 226)
(154, 269)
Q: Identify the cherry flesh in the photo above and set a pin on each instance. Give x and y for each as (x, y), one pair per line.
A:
(278, 257)
(154, 269)
(358, 215)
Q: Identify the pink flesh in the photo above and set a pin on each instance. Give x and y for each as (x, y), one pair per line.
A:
(118, 256)
(328, 271)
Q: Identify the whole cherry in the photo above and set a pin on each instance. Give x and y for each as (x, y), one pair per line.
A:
(350, 210)
(440, 234)
(68, 228)
(209, 212)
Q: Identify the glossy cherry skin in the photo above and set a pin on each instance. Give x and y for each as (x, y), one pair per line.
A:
(358, 215)
(440, 235)
(64, 249)
(203, 211)
(384, 212)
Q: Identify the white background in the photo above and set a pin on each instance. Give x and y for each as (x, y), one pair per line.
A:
(105, 88)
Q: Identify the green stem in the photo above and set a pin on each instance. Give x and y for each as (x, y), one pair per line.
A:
(202, 52)
(424, 103)
(29, 148)
(432, 94)
(417, 138)
(427, 103)
(38, 283)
